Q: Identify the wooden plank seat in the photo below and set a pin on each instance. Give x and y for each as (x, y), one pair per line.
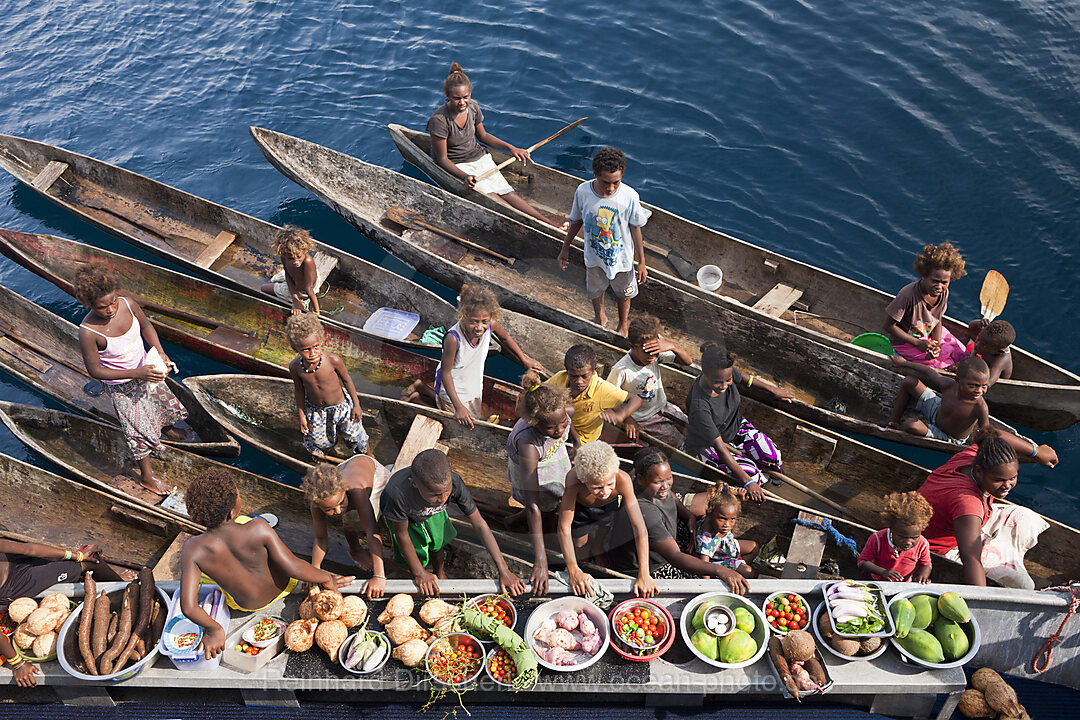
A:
(778, 300)
(213, 250)
(48, 175)
(806, 549)
(424, 434)
(324, 265)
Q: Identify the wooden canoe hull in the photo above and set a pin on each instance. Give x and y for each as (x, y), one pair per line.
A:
(98, 454)
(177, 226)
(38, 506)
(42, 349)
(232, 327)
(1041, 395)
(821, 377)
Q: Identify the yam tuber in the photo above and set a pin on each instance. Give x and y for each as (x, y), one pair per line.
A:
(1002, 698)
(114, 619)
(983, 677)
(146, 604)
(123, 631)
(99, 633)
(86, 621)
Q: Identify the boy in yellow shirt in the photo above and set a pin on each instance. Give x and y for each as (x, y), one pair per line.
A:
(595, 400)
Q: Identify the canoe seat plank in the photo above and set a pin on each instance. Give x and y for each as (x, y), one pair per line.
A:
(25, 355)
(134, 517)
(424, 434)
(805, 552)
(234, 340)
(48, 176)
(324, 265)
(812, 446)
(209, 254)
(777, 301)
(168, 567)
(129, 485)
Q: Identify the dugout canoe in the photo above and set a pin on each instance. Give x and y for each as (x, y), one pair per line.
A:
(831, 388)
(229, 247)
(816, 304)
(232, 327)
(97, 453)
(251, 407)
(42, 349)
(40, 507)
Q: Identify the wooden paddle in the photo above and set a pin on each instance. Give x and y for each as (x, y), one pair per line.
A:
(531, 148)
(995, 290)
(416, 221)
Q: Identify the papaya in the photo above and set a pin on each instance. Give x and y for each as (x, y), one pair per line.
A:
(953, 607)
(698, 621)
(922, 645)
(954, 641)
(903, 615)
(926, 612)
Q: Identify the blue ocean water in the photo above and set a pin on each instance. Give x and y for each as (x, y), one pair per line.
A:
(845, 134)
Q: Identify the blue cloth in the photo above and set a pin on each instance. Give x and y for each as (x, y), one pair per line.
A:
(826, 527)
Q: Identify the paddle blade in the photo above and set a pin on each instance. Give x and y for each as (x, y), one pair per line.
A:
(406, 218)
(995, 290)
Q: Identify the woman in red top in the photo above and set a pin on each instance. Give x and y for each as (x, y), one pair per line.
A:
(962, 493)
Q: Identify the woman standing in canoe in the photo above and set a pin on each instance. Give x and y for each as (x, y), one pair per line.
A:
(111, 336)
(457, 129)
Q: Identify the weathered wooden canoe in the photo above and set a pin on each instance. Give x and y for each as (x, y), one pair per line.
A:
(831, 387)
(232, 327)
(824, 306)
(42, 349)
(38, 506)
(98, 454)
(250, 406)
(229, 247)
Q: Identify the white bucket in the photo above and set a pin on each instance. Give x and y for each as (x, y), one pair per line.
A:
(710, 277)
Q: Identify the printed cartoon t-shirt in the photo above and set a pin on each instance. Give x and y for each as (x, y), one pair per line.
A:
(607, 220)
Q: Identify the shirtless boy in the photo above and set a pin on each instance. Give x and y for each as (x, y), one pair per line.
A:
(243, 556)
(954, 414)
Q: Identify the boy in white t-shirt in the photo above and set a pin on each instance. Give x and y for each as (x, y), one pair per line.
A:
(612, 216)
(638, 373)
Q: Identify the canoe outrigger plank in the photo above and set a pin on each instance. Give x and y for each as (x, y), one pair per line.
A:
(424, 434)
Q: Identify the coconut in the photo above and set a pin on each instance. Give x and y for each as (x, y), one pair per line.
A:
(22, 638)
(845, 646)
(329, 636)
(798, 646)
(1003, 698)
(19, 610)
(397, 606)
(44, 645)
(825, 626)
(328, 605)
(983, 678)
(973, 705)
(869, 645)
(56, 601)
(300, 634)
(353, 611)
(43, 620)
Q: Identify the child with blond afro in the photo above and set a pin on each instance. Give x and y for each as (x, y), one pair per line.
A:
(297, 282)
(899, 552)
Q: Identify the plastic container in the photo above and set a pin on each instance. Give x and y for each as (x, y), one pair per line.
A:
(343, 652)
(250, 663)
(196, 659)
(67, 644)
(637, 654)
(710, 277)
(760, 633)
(502, 602)
(822, 642)
(970, 628)
(874, 588)
(552, 608)
(773, 596)
(453, 641)
(874, 341)
(391, 323)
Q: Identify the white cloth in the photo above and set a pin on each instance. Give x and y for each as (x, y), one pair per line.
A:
(493, 184)
(1010, 532)
(468, 370)
(642, 381)
(607, 221)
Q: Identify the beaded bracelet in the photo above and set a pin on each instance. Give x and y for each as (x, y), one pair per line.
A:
(67, 554)
(1034, 448)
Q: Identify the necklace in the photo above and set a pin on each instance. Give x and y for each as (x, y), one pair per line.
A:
(314, 369)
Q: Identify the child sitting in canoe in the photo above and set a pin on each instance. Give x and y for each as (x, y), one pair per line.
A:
(111, 337)
(914, 317)
(638, 372)
(296, 281)
(899, 552)
(992, 344)
(714, 536)
(326, 399)
(457, 129)
(594, 489)
(242, 555)
(662, 512)
(595, 400)
(465, 347)
(414, 505)
(537, 464)
(612, 216)
(717, 426)
(354, 486)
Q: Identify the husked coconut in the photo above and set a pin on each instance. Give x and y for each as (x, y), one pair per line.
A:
(22, 638)
(410, 653)
(845, 646)
(42, 620)
(300, 635)
(435, 610)
(353, 611)
(397, 606)
(869, 645)
(798, 646)
(44, 645)
(973, 705)
(402, 629)
(328, 605)
(19, 610)
(329, 636)
(56, 601)
(307, 607)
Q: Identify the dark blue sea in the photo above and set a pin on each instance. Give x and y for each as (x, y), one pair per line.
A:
(846, 134)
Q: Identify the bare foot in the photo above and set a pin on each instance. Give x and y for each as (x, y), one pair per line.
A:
(600, 320)
(623, 330)
(157, 487)
(893, 425)
(178, 434)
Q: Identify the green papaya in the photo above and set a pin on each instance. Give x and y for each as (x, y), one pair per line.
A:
(922, 645)
(954, 641)
(744, 620)
(737, 647)
(926, 611)
(698, 621)
(953, 607)
(903, 615)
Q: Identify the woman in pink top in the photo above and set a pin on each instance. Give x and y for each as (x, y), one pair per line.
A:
(111, 336)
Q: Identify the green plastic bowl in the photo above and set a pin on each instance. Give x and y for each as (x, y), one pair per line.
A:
(874, 341)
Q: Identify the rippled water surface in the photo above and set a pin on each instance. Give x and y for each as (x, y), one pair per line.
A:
(844, 134)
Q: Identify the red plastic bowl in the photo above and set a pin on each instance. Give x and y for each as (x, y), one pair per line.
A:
(615, 644)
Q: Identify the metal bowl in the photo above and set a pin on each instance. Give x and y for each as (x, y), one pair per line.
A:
(453, 641)
(732, 601)
(822, 642)
(805, 602)
(503, 602)
(970, 628)
(343, 652)
(552, 608)
(487, 668)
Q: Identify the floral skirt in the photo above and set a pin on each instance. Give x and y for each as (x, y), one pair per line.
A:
(143, 409)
